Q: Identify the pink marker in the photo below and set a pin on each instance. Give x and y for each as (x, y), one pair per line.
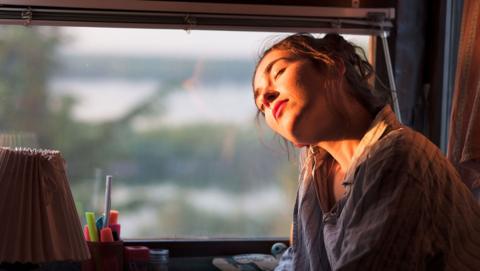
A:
(106, 235)
(85, 233)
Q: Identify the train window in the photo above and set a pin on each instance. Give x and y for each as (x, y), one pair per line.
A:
(168, 113)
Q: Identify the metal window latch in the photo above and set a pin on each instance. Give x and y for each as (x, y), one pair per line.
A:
(27, 16)
(355, 3)
(189, 22)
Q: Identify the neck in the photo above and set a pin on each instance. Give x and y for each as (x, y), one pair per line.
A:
(343, 148)
(342, 151)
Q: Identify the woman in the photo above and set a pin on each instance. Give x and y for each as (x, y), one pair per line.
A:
(373, 194)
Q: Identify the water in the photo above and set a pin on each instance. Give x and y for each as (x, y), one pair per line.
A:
(109, 99)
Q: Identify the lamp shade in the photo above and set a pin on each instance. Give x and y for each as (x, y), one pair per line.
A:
(38, 219)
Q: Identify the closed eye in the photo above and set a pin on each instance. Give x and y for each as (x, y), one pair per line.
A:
(280, 72)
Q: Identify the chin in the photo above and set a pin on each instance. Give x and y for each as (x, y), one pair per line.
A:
(299, 133)
(307, 133)
(302, 136)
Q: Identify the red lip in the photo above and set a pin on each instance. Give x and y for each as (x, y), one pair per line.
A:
(278, 108)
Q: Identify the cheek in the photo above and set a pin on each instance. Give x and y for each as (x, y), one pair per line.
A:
(309, 89)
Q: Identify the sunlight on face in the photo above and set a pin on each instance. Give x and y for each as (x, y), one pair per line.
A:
(291, 93)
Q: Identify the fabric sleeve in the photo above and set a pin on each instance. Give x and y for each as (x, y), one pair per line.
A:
(286, 261)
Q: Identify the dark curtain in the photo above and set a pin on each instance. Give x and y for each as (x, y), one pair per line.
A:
(464, 139)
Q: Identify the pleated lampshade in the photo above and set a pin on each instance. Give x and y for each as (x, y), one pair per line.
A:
(38, 219)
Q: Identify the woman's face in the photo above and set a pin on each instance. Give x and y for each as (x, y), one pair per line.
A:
(291, 92)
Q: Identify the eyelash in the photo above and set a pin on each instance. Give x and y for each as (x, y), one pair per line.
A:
(279, 73)
(262, 109)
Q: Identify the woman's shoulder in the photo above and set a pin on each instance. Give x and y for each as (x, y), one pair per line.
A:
(405, 141)
(411, 151)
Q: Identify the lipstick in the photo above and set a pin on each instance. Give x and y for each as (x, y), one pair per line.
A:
(278, 108)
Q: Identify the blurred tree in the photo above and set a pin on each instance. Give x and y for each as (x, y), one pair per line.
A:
(26, 63)
(28, 60)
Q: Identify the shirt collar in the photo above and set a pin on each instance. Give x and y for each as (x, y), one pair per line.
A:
(384, 122)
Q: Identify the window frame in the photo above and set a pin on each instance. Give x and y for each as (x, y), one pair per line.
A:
(287, 17)
(198, 16)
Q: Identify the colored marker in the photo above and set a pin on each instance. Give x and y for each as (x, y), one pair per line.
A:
(106, 235)
(115, 230)
(92, 228)
(113, 217)
(86, 234)
(99, 222)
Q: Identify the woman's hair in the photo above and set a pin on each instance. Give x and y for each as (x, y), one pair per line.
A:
(325, 53)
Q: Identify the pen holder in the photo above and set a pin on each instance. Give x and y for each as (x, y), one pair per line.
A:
(105, 256)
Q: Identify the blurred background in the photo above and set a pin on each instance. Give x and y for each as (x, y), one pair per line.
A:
(168, 113)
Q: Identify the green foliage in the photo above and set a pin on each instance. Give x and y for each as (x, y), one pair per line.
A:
(26, 63)
(225, 156)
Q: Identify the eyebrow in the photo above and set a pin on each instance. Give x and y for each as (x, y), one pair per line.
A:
(267, 69)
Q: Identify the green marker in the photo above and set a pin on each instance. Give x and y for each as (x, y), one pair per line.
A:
(92, 228)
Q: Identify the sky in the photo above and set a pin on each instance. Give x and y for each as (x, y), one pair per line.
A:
(95, 98)
(160, 42)
(95, 105)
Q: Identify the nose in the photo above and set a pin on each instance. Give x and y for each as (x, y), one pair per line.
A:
(269, 97)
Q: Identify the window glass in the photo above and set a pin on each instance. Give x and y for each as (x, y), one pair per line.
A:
(168, 113)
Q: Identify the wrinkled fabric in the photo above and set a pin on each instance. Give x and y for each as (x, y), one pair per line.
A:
(464, 138)
(405, 208)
